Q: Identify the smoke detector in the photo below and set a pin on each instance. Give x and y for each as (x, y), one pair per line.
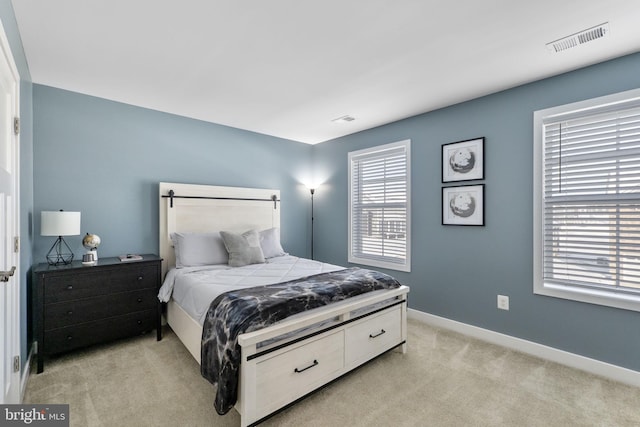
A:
(586, 36)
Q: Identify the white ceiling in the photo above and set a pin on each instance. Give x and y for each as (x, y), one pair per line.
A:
(288, 67)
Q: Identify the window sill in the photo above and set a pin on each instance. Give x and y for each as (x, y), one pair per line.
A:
(380, 264)
(591, 296)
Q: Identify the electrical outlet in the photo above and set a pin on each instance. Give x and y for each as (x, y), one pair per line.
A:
(503, 302)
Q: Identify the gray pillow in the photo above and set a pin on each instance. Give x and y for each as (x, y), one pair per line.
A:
(244, 249)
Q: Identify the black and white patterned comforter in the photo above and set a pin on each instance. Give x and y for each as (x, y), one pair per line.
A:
(249, 309)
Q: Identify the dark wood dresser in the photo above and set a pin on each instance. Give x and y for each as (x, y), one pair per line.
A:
(77, 305)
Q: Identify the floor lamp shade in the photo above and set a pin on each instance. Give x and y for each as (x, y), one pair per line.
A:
(59, 223)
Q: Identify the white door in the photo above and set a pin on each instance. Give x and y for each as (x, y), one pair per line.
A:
(9, 227)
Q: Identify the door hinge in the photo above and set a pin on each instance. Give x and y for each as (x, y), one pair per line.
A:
(16, 364)
(16, 125)
(16, 244)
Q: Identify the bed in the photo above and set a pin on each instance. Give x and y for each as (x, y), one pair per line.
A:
(283, 362)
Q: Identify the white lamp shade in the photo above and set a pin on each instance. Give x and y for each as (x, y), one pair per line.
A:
(59, 223)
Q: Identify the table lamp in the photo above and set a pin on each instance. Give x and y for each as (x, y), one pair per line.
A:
(59, 223)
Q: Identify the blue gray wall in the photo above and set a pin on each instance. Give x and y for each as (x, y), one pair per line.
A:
(457, 272)
(105, 159)
(26, 168)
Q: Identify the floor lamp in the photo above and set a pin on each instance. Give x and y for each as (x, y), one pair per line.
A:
(313, 190)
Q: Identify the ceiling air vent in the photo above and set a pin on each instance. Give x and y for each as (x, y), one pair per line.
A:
(577, 39)
(344, 119)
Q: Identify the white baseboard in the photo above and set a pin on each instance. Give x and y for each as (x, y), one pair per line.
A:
(593, 366)
(25, 374)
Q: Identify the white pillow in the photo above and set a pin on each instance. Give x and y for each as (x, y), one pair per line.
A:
(194, 249)
(270, 243)
(244, 249)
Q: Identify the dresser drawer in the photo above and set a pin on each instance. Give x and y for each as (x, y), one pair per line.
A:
(67, 313)
(71, 337)
(380, 332)
(99, 282)
(294, 373)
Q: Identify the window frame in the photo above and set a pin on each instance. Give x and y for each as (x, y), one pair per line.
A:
(374, 262)
(599, 296)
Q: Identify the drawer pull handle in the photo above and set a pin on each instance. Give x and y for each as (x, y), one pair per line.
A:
(297, 371)
(382, 331)
(69, 312)
(139, 322)
(70, 287)
(139, 299)
(140, 277)
(69, 337)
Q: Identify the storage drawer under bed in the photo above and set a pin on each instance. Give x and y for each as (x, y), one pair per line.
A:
(287, 375)
(379, 333)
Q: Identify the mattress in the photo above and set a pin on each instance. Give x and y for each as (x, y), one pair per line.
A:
(193, 288)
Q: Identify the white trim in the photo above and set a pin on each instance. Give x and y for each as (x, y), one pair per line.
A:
(353, 259)
(581, 107)
(12, 342)
(25, 374)
(540, 287)
(593, 366)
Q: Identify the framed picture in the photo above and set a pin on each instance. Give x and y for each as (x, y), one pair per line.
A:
(463, 161)
(463, 205)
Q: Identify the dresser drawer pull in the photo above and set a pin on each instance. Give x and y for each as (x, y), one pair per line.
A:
(69, 337)
(139, 322)
(70, 287)
(139, 299)
(315, 363)
(382, 331)
(70, 312)
(140, 278)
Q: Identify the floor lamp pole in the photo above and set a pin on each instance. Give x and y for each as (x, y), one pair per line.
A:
(313, 190)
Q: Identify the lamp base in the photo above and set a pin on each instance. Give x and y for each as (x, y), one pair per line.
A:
(59, 254)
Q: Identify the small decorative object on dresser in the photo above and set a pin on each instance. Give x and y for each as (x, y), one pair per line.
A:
(91, 243)
(76, 306)
(130, 257)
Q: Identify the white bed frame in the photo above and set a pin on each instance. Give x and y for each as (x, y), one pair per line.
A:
(276, 375)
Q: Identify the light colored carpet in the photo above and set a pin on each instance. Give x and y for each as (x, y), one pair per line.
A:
(445, 379)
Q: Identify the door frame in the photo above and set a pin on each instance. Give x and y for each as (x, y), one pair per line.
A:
(14, 291)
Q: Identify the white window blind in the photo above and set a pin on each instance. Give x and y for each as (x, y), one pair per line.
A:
(379, 227)
(591, 200)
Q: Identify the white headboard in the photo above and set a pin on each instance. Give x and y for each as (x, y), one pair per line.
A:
(207, 208)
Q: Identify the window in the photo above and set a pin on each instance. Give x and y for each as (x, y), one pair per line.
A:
(587, 201)
(379, 211)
